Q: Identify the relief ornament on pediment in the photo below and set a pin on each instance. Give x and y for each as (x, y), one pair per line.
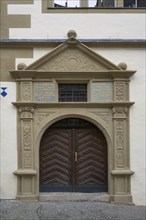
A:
(72, 60)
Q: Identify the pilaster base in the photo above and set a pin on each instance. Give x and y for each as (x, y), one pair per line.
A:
(27, 197)
(121, 199)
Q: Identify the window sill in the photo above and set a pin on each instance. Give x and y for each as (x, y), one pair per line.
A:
(95, 10)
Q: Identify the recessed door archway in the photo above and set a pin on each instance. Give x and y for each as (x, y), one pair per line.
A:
(73, 158)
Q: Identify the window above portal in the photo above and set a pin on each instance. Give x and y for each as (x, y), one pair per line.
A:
(72, 92)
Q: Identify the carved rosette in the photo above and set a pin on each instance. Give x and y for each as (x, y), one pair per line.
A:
(26, 90)
(119, 115)
(119, 91)
(26, 116)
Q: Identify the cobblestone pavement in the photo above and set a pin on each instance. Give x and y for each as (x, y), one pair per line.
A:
(18, 210)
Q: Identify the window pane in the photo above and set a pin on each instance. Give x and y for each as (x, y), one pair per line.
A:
(73, 3)
(92, 3)
(72, 92)
(141, 3)
(129, 3)
(101, 3)
(135, 3)
(66, 3)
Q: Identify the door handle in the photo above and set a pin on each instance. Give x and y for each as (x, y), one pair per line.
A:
(76, 156)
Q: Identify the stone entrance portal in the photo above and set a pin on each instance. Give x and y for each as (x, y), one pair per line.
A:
(106, 106)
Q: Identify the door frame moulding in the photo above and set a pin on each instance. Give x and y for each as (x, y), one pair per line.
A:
(111, 117)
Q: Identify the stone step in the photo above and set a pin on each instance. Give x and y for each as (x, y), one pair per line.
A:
(74, 197)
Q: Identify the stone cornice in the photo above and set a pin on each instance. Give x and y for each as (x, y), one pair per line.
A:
(55, 42)
(28, 74)
(73, 104)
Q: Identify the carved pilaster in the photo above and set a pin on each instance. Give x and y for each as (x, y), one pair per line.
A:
(26, 91)
(119, 142)
(26, 138)
(121, 172)
(120, 135)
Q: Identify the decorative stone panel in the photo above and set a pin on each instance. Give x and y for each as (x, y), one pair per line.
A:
(119, 142)
(26, 91)
(41, 116)
(45, 92)
(101, 91)
(26, 137)
(103, 116)
(119, 92)
(72, 60)
(120, 135)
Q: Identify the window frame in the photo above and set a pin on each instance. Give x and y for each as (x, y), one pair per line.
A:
(72, 92)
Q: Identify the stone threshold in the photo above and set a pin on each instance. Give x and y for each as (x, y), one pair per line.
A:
(74, 197)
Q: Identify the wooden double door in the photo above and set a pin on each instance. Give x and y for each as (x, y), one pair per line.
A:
(73, 158)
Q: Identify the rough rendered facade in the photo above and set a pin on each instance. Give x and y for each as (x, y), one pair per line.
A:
(46, 54)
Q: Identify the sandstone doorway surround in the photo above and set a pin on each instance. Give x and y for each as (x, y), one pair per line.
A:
(107, 107)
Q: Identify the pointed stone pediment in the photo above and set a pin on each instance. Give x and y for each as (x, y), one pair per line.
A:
(72, 56)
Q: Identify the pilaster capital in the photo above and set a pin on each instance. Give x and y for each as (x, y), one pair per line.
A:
(26, 112)
(120, 112)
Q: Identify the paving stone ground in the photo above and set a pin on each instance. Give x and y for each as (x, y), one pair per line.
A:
(20, 210)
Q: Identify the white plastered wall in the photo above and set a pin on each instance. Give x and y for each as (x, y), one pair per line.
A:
(135, 59)
(8, 142)
(138, 128)
(87, 26)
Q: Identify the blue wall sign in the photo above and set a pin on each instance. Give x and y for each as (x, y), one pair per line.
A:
(3, 93)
